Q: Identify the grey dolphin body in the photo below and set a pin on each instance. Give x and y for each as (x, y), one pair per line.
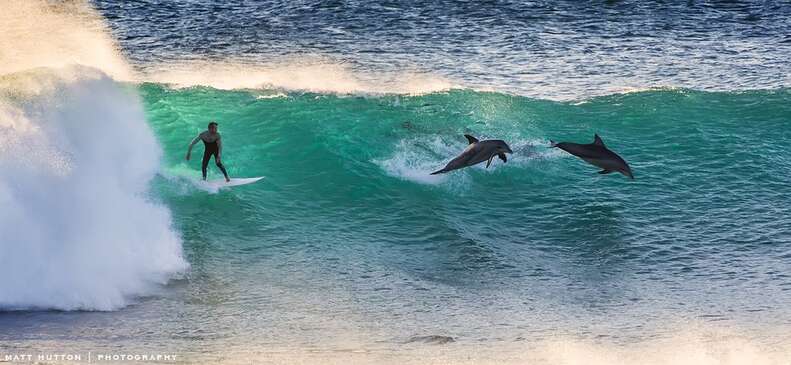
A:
(477, 152)
(598, 155)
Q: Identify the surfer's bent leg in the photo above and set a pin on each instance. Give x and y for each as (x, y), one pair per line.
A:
(222, 168)
(206, 156)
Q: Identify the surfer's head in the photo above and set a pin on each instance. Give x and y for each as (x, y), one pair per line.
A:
(213, 127)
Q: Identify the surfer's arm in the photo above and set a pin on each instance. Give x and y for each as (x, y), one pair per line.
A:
(189, 149)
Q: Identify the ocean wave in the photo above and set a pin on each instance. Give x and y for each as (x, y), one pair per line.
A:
(79, 230)
(311, 74)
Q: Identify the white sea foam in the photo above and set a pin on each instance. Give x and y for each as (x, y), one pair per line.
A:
(411, 160)
(77, 230)
(416, 158)
(312, 74)
(186, 180)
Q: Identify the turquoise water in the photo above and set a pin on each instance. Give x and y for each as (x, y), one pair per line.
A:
(349, 250)
(348, 212)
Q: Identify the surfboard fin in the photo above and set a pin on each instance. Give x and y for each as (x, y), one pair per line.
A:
(471, 139)
(489, 162)
(502, 157)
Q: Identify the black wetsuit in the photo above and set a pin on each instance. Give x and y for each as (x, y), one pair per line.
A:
(211, 148)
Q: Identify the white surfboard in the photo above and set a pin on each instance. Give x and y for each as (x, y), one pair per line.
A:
(221, 183)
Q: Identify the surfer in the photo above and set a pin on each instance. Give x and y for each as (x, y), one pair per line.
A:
(213, 146)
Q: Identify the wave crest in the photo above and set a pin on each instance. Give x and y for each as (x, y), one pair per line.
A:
(78, 231)
(313, 75)
(76, 157)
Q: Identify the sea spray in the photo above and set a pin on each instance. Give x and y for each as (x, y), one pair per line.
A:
(37, 33)
(312, 74)
(77, 227)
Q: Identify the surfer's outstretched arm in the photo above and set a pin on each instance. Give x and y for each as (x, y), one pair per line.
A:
(189, 149)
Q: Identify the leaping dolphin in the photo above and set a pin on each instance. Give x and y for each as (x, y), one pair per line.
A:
(477, 152)
(598, 155)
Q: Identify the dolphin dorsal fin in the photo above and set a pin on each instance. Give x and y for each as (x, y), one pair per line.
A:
(471, 139)
(597, 140)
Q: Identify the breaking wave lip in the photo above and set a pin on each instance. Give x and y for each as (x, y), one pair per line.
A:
(316, 75)
(79, 229)
(322, 75)
(331, 74)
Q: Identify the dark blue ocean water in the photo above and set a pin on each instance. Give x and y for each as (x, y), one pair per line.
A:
(554, 49)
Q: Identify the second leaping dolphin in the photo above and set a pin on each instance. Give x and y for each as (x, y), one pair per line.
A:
(477, 152)
(598, 155)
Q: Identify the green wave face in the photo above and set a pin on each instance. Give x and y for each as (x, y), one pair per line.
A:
(348, 199)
